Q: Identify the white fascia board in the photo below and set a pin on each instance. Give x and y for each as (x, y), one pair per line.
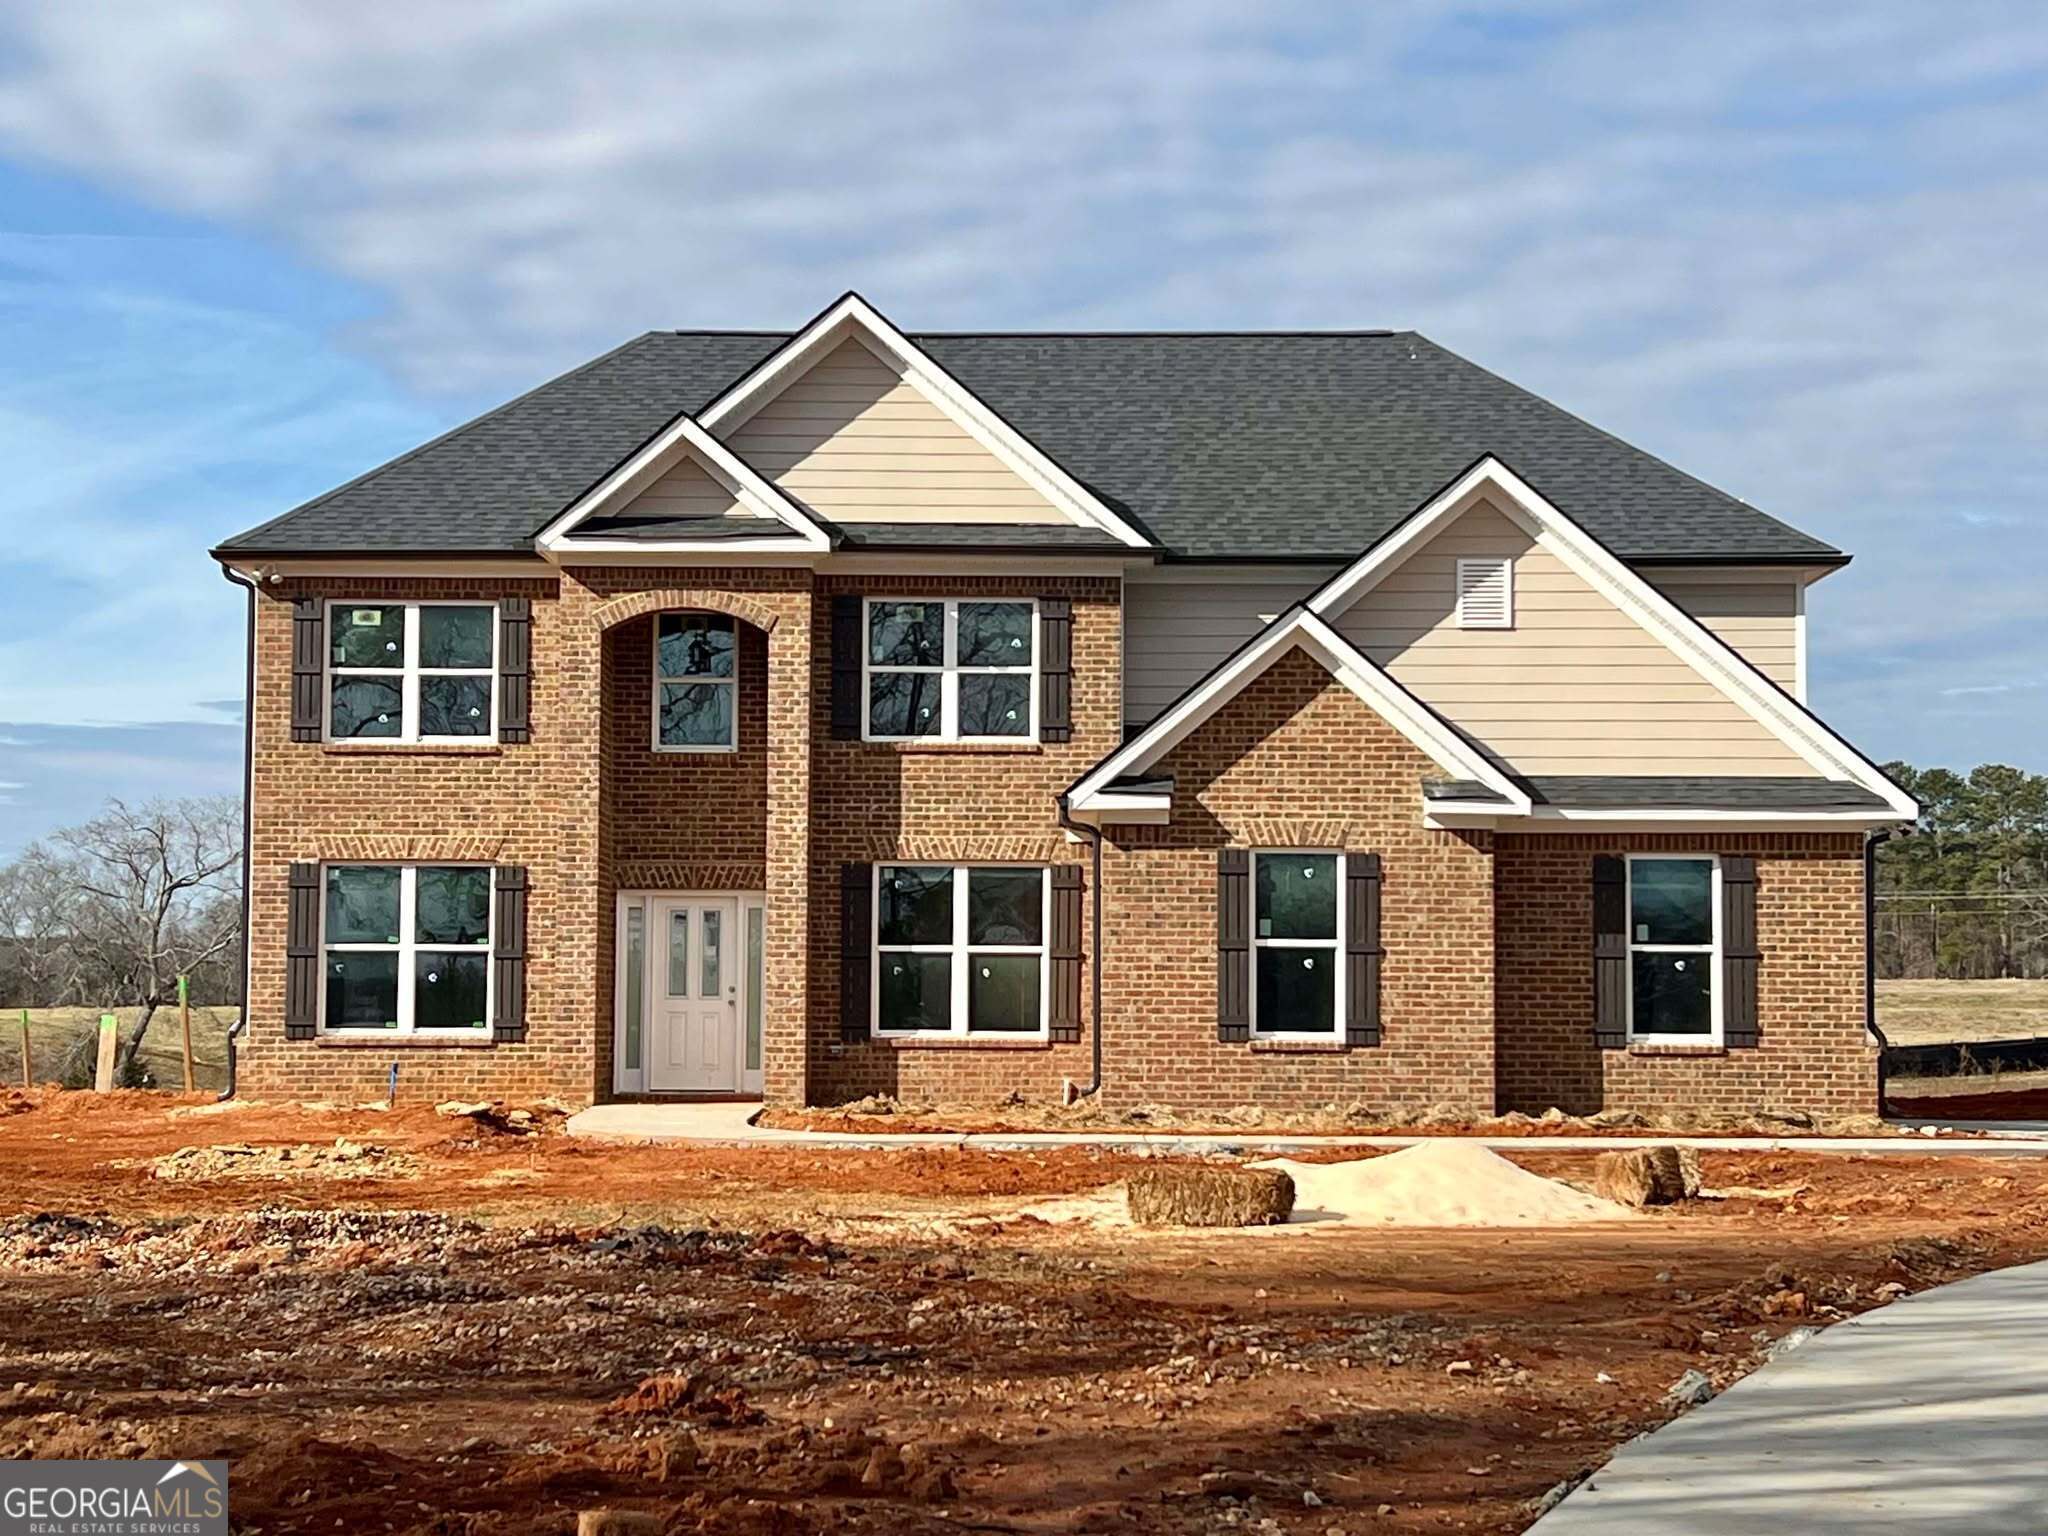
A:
(1346, 663)
(1126, 809)
(853, 316)
(1692, 642)
(682, 438)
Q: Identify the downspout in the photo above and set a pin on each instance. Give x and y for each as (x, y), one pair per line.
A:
(1097, 897)
(241, 1023)
(1870, 841)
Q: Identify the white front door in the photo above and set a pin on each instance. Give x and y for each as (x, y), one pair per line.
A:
(694, 1039)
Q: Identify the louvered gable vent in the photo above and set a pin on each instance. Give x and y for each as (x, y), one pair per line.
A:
(1486, 593)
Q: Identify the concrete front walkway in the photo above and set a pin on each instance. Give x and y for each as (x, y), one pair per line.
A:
(1924, 1415)
(730, 1125)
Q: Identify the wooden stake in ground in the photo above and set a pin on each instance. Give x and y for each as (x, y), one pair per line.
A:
(185, 1024)
(110, 1039)
(27, 1072)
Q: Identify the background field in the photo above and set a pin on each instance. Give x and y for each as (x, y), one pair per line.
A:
(1939, 1012)
(54, 1032)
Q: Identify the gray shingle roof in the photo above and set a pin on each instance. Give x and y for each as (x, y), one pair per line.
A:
(1668, 793)
(1705, 793)
(1222, 446)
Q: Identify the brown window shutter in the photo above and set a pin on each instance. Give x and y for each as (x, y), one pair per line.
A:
(1362, 949)
(1610, 952)
(309, 667)
(1233, 945)
(856, 948)
(302, 954)
(846, 653)
(515, 669)
(508, 957)
(1739, 953)
(1055, 669)
(1065, 1012)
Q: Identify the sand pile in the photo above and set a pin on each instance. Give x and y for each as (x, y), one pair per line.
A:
(1438, 1184)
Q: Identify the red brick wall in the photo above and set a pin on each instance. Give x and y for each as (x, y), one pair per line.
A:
(874, 802)
(581, 804)
(1298, 761)
(404, 804)
(1814, 1053)
(683, 821)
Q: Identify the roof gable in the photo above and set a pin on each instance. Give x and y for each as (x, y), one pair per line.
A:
(1297, 629)
(856, 440)
(1710, 658)
(853, 322)
(629, 504)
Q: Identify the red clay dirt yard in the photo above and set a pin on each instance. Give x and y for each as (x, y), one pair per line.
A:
(467, 1326)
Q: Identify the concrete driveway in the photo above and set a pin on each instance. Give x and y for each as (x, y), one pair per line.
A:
(1924, 1415)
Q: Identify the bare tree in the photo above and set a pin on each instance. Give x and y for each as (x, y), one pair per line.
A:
(155, 888)
(38, 913)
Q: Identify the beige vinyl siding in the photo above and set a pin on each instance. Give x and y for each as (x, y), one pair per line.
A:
(1759, 619)
(851, 439)
(1175, 631)
(687, 490)
(1576, 686)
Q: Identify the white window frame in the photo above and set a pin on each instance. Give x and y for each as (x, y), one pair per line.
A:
(733, 682)
(949, 671)
(1711, 951)
(1335, 943)
(407, 949)
(408, 672)
(1506, 564)
(963, 955)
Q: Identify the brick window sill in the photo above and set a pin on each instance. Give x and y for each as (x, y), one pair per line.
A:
(957, 748)
(1035, 1043)
(1679, 1052)
(411, 749)
(400, 1043)
(1299, 1047)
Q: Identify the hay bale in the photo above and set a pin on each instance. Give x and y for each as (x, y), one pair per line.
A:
(1209, 1196)
(1639, 1177)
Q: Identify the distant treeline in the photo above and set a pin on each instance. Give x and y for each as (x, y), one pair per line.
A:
(1964, 895)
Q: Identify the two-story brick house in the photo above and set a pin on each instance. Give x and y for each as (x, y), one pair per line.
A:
(1214, 718)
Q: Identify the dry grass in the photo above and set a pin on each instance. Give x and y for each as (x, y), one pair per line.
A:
(1193, 1195)
(55, 1032)
(1942, 1012)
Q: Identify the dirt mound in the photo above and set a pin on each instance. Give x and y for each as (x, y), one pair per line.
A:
(344, 1160)
(1437, 1184)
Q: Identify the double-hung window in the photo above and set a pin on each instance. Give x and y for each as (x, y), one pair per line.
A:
(951, 670)
(1298, 913)
(696, 667)
(407, 948)
(960, 950)
(1674, 934)
(413, 672)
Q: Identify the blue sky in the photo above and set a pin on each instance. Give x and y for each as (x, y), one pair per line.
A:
(249, 250)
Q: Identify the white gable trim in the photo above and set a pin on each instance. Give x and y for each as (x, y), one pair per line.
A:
(788, 528)
(1785, 717)
(854, 317)
(1297, 628)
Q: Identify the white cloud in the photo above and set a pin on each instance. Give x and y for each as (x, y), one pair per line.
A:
(1795, 252)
